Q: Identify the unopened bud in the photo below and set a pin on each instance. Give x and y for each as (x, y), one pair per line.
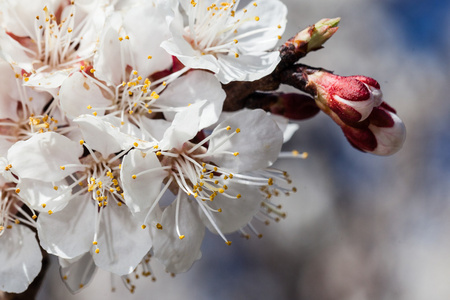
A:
(383, 134)
(309, 39)
(351, 98)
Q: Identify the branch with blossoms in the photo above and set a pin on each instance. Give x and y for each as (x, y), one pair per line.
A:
(107, 110)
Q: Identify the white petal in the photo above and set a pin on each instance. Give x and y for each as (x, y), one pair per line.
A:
(77, 273)
(37, 193)
(146, 27)
(41, 156)
(179, 47)
(78, 92)
(48, 81)
(20, 259)
(258, 143)
(69, 232)
(184, 127)
(191, 88)
(122, 241)
(108, 63)
(141, 193)
(236, 213)
(272, 16)
(154, 129)
(10, 94)
(105, 137)
(246, 67)
(177, 254)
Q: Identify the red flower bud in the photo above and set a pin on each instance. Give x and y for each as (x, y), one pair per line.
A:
(351, 98)
(383, 134)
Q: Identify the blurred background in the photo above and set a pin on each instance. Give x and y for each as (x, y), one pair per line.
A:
(360, 226)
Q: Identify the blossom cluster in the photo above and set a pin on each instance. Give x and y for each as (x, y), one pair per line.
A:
(113, 143)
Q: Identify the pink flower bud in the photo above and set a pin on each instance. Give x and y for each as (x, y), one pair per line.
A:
(351, 98)
(382, 134)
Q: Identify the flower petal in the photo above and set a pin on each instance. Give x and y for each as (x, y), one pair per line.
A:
(191, 88)
(20, 258)
(258, 143)
(122, 241)
(78, 92)
(141, 192)
(69, 232)
(41, 157)
(77, 272)
(177, 254)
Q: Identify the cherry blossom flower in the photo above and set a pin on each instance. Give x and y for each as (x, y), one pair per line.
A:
(233, 44)
(46, 41)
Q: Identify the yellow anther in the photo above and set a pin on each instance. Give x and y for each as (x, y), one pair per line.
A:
(181, 236)
(228, 243)
(100, 204)
(111, 190)
(159, 226)
(17, 75)
(133, 176)
(225, 187)
(216, 182)
(37, 17)
(92, 71)
(127, 37)
(17, 190)
(270, 181)
(62, 168)
(236, 153)
(50, 212)
(215, 169)
(97, 251)
(304, 155)
(158, 153)
(120, 38)
(221, 190)
(295, 153)
(254, 4)
(69, 30)
(34, 217)
(94, 243)
(256, 18)
(143, 226)
(26, 79)
(55, 188)
(17, 221)
(228, 128)
(211, 175)
(82, 68)
(236, 55)
(279, 26)
(238, 196)
(119, 203)
(139, 78)
(231, 176)
(94, 113)
(149, 57)
(219, 210)
(294, 189)
(164, 83)
(279, 37)
(149, 111)
(65, 277)
(135, 144)
(195, 195)
(238, 130)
